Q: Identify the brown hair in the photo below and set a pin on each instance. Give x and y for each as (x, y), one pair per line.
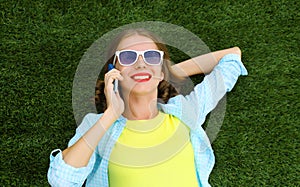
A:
(167, 88)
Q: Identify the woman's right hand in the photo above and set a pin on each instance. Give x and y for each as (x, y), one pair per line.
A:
(114, 102)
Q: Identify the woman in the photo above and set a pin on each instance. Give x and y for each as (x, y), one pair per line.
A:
(138, 141)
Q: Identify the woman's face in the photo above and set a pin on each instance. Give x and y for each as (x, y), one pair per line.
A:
(139, 78)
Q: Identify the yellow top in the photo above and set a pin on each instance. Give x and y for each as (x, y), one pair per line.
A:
(154, 153)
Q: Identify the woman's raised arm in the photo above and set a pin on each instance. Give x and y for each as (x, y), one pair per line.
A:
(203, 63)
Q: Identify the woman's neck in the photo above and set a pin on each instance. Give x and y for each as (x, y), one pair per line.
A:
(140, 107)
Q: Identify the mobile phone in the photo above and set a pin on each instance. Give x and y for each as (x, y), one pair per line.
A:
(110, 67)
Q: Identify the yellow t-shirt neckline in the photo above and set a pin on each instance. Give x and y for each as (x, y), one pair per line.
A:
(146, 125)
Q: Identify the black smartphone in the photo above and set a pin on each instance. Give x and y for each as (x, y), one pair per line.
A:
(110, 67)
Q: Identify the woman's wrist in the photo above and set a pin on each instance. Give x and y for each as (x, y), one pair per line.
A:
(109, 116)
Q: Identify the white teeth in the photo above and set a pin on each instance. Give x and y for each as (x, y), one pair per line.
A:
(141, 77)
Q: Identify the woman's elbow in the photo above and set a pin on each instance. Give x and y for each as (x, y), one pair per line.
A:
(237, 50)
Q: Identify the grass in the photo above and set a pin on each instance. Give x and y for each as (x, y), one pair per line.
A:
(42, 43)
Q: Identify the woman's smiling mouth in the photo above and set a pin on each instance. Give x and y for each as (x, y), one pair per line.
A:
(141, 77)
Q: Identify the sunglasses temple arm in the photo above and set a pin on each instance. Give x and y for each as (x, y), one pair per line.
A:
(114, 61)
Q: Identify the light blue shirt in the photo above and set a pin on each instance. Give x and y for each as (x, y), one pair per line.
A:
(190, 109)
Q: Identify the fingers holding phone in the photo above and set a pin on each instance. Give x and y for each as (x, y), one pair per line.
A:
(113, 99)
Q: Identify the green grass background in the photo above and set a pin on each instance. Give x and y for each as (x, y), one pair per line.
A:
(43, 41)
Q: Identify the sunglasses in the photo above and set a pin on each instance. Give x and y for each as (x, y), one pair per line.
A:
(130, 57)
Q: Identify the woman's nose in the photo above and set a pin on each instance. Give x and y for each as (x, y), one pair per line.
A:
(140, 62)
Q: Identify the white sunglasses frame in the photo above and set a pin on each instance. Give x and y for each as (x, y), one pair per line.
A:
(117, 53)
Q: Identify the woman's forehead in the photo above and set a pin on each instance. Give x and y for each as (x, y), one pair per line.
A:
(137, 42)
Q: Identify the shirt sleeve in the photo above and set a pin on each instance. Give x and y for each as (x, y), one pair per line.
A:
(206, 95)
(62, 174)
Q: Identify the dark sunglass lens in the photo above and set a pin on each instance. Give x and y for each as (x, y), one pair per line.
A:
(127, 57)
(152, 57)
